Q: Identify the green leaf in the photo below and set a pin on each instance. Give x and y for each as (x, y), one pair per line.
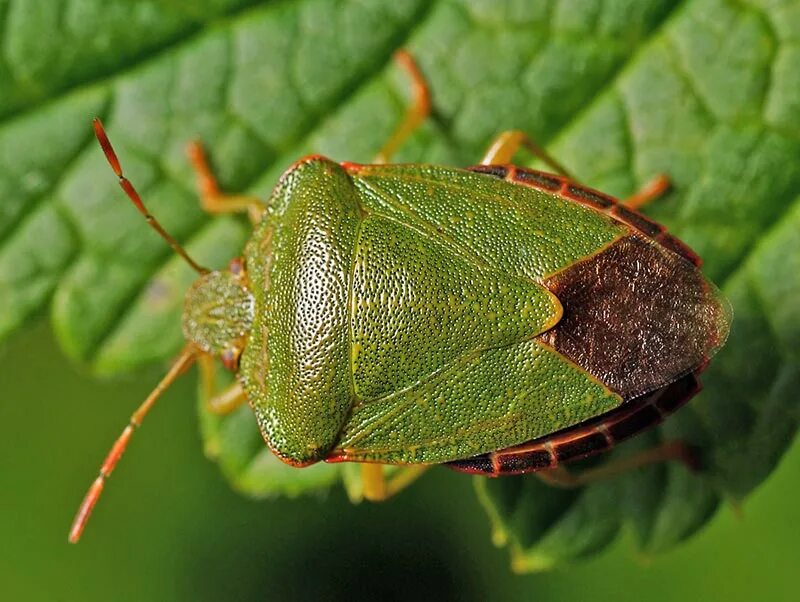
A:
(235, 443)
(727, 134)
(706, 91)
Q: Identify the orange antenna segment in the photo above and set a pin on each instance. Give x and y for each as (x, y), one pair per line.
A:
(126, 185)
(187, 357)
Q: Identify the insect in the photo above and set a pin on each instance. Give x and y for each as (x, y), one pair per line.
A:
(494, 319)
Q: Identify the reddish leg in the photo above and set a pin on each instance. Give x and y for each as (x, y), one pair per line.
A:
(505, 146)
(503, 149)
(654, 189)
(211, 198)
(416, 114)
(568, 189)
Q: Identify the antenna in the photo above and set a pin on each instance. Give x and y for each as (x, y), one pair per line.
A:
(186, 358)
(126, 185)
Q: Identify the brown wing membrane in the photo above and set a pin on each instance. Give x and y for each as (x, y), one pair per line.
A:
(637, 316)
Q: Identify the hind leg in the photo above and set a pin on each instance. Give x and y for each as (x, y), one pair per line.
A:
(655, 188)
(503, 149)
(668, 451)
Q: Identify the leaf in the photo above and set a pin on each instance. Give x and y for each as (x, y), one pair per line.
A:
(704, 90)
(729, 139)
(251, 467)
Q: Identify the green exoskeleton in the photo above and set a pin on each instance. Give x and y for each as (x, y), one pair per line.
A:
(496, 319)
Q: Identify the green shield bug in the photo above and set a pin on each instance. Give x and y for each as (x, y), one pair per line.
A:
(494, 319)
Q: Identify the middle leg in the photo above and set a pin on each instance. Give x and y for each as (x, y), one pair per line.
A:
(505, 146)
(376, 487)
(417, 112)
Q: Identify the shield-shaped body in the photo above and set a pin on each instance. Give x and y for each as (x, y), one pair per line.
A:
(423, 314)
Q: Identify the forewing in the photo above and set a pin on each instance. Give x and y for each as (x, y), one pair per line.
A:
(485, 401)
(517, 229)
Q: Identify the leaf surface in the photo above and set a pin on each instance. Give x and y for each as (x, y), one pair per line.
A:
(706, 91)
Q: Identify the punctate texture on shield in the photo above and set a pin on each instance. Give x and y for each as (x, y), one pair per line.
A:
(459, 313)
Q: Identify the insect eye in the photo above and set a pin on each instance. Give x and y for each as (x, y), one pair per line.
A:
(236, 266)
(230, 358)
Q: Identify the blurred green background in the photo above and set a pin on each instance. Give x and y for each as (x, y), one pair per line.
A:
(170, 528)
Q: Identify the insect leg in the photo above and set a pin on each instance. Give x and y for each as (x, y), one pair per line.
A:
(227, 400)
(417, 112)
(373, 482)
(218, 402)
(211, 198)
(376, 487)
(505, 146)
(655, 188)
(667, 451)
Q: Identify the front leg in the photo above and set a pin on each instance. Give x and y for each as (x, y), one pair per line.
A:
(218, 402)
